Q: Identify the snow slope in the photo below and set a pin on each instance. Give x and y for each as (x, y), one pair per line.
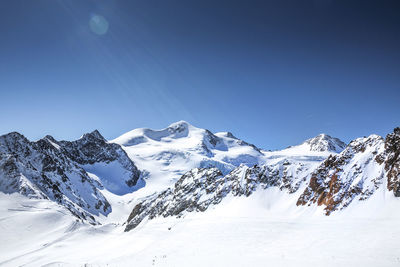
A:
(263, 228)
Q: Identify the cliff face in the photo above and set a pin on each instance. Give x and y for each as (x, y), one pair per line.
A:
(353, 174)
(356, 173)
(392, 161)
(200, 188)
(93, 148)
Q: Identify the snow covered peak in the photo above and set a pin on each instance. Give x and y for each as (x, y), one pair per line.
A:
(179, 126)
(170, 152)
(324, 142)
(321, 145)
(179, 129)
(176, 130)
(354, 174)
(181, 135)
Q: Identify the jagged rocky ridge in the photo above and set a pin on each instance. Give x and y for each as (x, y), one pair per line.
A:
(93, 148)
(392, 162)
(202, 187)
(353, 175)
(54, 170)
(356, 173)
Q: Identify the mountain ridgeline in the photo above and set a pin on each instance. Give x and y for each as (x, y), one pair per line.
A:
(192, 169)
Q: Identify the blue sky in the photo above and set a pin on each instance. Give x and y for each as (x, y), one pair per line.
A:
(272, 72)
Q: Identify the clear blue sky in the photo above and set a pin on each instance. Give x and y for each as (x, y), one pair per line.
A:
(272, 72)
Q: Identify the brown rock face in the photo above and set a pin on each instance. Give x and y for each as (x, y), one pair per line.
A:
(342, 178)
(392, 164)
(355, 173)
(324, 186)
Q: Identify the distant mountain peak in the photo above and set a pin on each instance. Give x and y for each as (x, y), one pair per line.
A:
(13, 141)
(324, 142)
(93, 135)
(13, 135)
(50, 138)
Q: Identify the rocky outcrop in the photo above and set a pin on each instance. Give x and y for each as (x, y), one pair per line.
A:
(352, 174)
(185, 196)
(392, 163)
(200, 188)
(356, 173)
(92, 148)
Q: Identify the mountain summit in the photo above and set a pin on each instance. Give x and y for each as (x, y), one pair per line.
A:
(324, 142)
(170, 152)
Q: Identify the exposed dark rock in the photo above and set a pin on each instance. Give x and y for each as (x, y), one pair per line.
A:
(93, 148)
(199, 188)
(392, 164)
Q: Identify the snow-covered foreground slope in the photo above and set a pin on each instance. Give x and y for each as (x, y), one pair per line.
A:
(30, 225)
(244, 231)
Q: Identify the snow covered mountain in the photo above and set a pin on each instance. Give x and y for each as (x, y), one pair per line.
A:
(354, 174)
(56, 171)
(77, 174)
(149, 197)
(169, 153)
(322, 143)
(106, 160)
